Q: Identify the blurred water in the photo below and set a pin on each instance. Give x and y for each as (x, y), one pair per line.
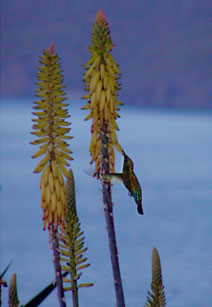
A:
(172, 156)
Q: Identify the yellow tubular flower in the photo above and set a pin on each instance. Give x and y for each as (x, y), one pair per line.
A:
(51, 128)
(101, 81)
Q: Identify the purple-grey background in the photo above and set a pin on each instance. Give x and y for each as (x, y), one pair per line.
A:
(163, 47)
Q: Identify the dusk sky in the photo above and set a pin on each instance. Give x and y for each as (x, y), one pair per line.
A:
(163, 47)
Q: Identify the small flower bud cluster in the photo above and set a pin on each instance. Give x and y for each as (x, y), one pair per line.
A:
(72, 247)
(13, 294)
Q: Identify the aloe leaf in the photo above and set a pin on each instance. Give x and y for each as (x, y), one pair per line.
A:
(3, 273)
(40, 297)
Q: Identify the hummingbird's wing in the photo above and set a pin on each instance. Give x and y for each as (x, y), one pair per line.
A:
(90, 171)
(112, 177)
(109, 177)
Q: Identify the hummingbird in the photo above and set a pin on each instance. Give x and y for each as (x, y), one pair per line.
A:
(129, 179)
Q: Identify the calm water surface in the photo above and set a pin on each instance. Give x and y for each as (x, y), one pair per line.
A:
(172, 153)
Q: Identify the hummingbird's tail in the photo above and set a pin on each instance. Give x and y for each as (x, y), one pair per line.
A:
(140, 209)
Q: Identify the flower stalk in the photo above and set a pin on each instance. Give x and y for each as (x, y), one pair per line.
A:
(57, 268)
(108, 211)
(101, 81)
(50, 126)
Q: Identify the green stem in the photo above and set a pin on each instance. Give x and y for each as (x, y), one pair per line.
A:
(75, 294)
(75, 298)
(108, 210)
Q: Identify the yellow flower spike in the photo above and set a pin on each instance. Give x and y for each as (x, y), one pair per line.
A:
(51, 127)
(101, 80)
